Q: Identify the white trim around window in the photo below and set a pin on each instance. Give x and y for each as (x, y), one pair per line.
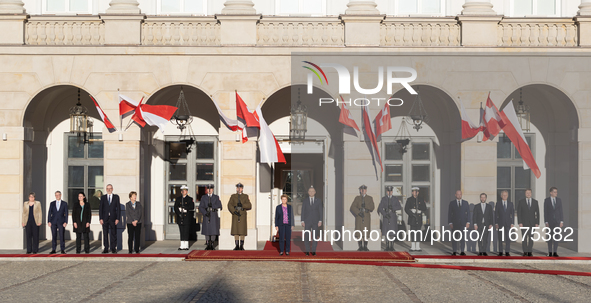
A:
(68, 8)
(535, 9)
(279, 11)
(421, 8)
(183, 8)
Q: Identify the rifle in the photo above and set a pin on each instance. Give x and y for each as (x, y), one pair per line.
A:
(362, 213)
(238, 208)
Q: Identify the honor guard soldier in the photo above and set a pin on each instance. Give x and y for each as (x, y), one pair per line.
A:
(183, 208)
(238, 205)
(389, 208)
(361, 208)
(209, 206)
(415, 208)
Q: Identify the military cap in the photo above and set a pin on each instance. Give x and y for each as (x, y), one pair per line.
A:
(209, 186)
(363, 187)
(239, 185)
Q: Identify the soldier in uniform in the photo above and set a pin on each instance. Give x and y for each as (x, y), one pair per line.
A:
(237, 206)
(361, 208)
(209, 206)
(183, 208)
(415, 208)
(387, 208)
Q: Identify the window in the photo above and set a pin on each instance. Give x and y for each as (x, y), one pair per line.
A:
(522, 8)
(405, 170)
(301, 7)
(186, 7)
(510, 173)
(67, 6)
(84, 170)
(194, 169)
(420, 7)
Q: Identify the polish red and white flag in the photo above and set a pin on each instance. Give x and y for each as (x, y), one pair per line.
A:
(231, 124)
(245, 117)
(469, 129)
(369, 135)
(513, 131)
(269, 148)
(383, 122)
(157, 115)
(492, 120)
(104, 117)
(127, 105)
(346, 118)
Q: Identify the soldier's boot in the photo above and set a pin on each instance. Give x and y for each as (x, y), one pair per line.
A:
(387, 246)
(360, 246)
(237, 245)
(241, 244)
(365, 246)
(209, 246)
(392, 246)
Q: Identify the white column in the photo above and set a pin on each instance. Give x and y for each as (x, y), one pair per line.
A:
(478, 7)
(239, 7)
(584, 8)
(123, 7)
(12, 7)
(362, 7)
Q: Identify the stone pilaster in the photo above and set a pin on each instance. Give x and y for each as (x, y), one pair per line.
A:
(11, 187)
(583, 18)
(238, 23)
(12, 22)
(123, 21)
(362, 23)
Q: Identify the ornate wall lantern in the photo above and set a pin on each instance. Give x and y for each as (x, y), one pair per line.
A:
(182, 119)
(80, 123)
(299, 121)
(418, 114)
(522, 112)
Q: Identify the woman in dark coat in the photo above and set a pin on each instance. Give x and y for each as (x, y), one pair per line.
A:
(284, 223)
(82, 215)
(209, 206)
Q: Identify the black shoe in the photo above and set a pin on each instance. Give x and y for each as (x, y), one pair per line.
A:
(77, 252)
(137, 251)
(237, 245)
(462, 254)
(555, 255)
(114, 251)
(130, 252)
(484, 254)
(105, 251)
(241, 244)
(281, 253)
(87, 251)
(454, 254)
(307, 253)
(313, 254)
(63, 252)
(550, 254)
(52, 252)
(34, 252)
(507, 255)
(525, 254)
(530, 254)
(500, 254)
(177, 249)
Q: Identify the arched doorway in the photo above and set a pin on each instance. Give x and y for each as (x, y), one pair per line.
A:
(315, 161)
(170, 164)
(554, 144)
(55, 159)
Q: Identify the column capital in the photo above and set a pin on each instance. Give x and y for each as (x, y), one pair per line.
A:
(362, 7)
(123, 7)
(239, 7)
(12, 7)
(478, 7)
(584, 8)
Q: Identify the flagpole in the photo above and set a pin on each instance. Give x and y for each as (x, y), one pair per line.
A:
(120, 117)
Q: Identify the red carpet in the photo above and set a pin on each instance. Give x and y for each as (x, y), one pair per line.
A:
(272, 255)
(94, 255)
(299, 246)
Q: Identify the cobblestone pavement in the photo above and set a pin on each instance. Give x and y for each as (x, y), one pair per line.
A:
(241, 281)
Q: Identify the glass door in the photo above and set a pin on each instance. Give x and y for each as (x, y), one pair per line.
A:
(195, 169)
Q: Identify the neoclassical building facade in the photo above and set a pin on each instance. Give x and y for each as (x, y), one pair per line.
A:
(54, 53)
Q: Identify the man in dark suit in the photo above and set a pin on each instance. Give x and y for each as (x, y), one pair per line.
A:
(458, 216)
(553, 219)
(311, 220)
(504, 213)
(482, 219)
(109, 213)
(528, 215)
(57, 220)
